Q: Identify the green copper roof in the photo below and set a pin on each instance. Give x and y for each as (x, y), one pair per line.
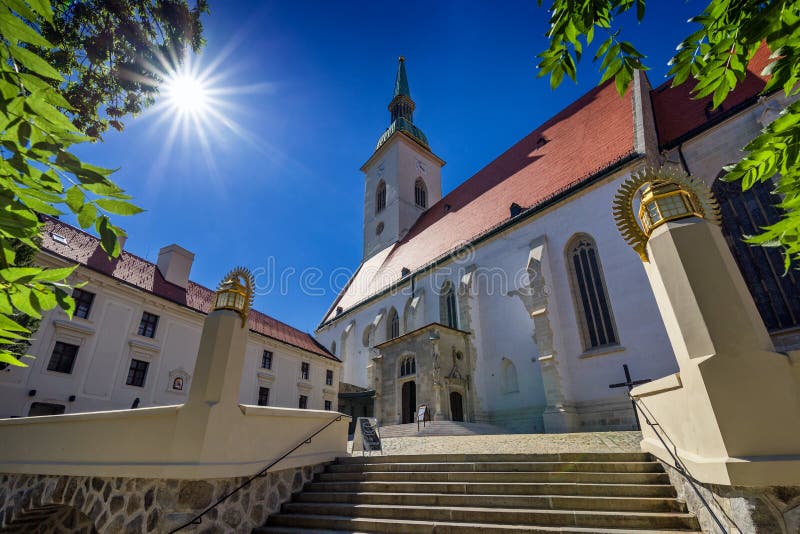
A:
(401, 110)
(401, 81)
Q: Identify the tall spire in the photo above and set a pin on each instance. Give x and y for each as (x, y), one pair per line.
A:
(401, 110)
(401, 81)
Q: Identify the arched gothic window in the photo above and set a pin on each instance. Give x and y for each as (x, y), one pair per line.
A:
(420, 193)
(509, 376)
(448, 313)
(591, 297)
(380, 197)
(408, 316)
(408, 366)
(777, 296)
(393, 325)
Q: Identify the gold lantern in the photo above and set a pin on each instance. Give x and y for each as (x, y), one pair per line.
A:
(235, 292)
(667, 194)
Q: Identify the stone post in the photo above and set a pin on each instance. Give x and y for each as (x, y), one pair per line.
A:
(732, 413)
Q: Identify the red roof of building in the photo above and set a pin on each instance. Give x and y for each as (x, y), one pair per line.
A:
(85, 249)
(679, 116)
(587, 137)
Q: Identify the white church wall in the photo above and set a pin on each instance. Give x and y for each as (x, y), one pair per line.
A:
(108, 340)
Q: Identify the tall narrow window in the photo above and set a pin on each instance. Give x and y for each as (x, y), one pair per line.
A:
(148, 325)
(263, 396)
(266, 359)
(448, 313)
(63, 358)
(304, 370)
(303, 402)
(137, 373)
(380, 197)
(328, 377)
(777, 295)
(393, 325)
(83, 303)
(420, 193)
(589, 288)
(328, 405)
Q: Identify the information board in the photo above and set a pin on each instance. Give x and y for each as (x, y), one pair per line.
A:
(423, 415)
(367, 436)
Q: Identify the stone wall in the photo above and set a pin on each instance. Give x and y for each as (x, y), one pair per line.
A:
(139, 505)
(773, 510)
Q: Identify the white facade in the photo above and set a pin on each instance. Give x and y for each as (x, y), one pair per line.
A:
(108, 341)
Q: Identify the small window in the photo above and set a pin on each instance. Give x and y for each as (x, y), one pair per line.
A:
(177, 384)
(266, 360)
(45, 408)
(303, 403)
(83, 303)
(58, 238)
(263, 396)
(63, 358)
(137, 373)
(420, 194)
(380, 197)
(379, 228)
(329, 377)
(408, 366)
(304, 370)
(393, 325)
(328, 405)
(148, 325)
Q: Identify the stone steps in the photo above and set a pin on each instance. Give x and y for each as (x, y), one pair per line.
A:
(464, 494)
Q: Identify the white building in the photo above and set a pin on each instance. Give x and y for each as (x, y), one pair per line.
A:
(134, 339)
(513, 299)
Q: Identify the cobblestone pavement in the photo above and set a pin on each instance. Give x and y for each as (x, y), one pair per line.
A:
(515, 443)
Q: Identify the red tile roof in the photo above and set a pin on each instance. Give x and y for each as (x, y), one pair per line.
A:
(563, 152)
(85, 249)
(678, 115)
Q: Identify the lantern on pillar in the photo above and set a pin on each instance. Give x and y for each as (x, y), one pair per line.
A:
(667, 194)
(235, 292)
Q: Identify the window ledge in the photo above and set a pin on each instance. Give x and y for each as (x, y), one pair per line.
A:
(75, 326)
(329, 390)
(266, 376)
(304, 385)
(601, 351)
(143, 345)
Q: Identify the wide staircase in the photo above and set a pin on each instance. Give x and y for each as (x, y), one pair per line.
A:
(496, 493)
(440, 428)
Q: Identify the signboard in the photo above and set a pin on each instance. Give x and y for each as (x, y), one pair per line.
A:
(366, 437)
(423, 415)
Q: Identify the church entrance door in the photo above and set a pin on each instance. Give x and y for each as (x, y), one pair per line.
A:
(409, 401)
(456, 407)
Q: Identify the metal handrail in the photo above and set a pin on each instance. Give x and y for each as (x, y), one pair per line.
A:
(196, 520)
(679, 466)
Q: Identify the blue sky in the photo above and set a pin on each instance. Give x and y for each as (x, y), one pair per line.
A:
(310, 84)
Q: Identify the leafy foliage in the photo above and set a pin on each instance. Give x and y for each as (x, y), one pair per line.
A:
(113, 54)
(715, 57)
(38, 175)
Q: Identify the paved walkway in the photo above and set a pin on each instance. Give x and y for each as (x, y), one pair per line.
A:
(515, 443)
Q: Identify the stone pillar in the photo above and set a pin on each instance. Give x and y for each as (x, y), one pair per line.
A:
(732, 413)
(213, 403)
(438, 383)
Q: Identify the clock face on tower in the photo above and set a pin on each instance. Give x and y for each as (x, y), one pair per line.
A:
(421, 166)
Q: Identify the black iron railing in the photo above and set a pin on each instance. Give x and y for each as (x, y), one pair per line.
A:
(679, 467)
(196, 520)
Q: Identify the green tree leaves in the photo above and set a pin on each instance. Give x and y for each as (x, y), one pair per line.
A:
(715, 57)
(39, 175)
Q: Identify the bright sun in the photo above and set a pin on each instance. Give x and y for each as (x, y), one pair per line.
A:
(187, 93)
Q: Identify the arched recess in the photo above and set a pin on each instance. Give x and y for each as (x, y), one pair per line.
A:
(508, 376)
(420, 193)
(592, 305)
(448, 309)
(408, 316)
(777, 295)
(392, 324)
(380, 197)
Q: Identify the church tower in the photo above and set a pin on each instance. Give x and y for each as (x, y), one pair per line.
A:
(402, 177)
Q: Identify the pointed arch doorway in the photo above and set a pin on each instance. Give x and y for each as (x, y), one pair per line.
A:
(456, 406)
(409, 401)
